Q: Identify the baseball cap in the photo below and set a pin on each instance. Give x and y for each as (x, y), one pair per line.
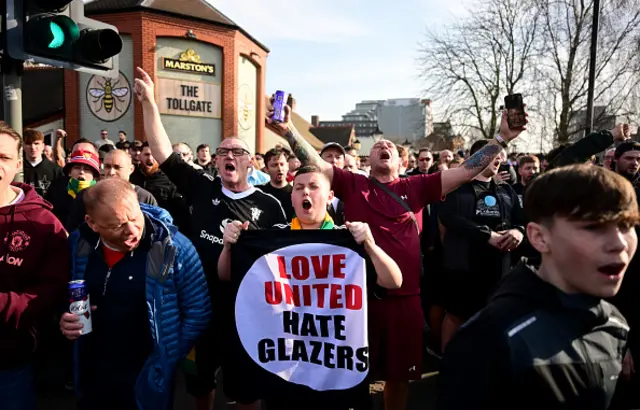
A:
(333, 145)
(626, 147)
(86, 158)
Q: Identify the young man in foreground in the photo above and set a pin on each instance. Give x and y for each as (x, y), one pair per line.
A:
(547, 340)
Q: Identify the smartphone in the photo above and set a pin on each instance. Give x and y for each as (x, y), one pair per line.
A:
(503, 168)
(279, 102)
(515, 111)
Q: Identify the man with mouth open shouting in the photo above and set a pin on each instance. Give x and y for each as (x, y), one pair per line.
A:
(392, 206)
(310, 197)
(216, 202)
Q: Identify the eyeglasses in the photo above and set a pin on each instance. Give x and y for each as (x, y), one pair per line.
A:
(425, 159)
(236, 152)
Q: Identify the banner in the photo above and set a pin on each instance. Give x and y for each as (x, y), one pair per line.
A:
(301, 312)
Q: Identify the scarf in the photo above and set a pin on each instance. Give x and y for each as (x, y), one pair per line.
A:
(74, 186)
(326, 224)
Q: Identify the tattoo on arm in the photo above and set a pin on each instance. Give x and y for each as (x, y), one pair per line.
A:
(303, 150)
(481, 159)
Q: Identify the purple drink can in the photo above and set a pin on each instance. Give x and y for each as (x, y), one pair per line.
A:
(79, 304)
(279, 103)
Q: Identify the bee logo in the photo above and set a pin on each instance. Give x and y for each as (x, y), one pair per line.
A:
(108, 99)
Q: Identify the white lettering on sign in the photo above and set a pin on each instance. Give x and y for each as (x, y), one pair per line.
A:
(11, 260)
(301, 314)
(208, 237)
(189, 98)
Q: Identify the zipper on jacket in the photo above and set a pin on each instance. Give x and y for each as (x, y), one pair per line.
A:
(106, 281)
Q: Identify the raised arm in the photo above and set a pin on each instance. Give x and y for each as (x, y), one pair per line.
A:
(301, 148)
(475, 164)
(159, 141)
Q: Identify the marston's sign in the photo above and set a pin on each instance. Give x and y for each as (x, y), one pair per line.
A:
(198, 68)
(190, 62)
(189, 98)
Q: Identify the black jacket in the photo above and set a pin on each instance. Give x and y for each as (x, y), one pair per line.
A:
(42, 175)
(461, 233)
(534, 347)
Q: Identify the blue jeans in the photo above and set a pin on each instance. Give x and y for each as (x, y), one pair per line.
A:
(16, 389)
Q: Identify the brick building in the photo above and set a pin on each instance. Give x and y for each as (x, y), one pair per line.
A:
(209, 75)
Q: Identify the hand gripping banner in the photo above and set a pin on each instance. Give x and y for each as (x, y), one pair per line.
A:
(301, 312)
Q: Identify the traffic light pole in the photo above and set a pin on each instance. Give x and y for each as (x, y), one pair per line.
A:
(12, 94)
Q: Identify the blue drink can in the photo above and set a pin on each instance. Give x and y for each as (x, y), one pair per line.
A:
(279, 103)
(79, 304)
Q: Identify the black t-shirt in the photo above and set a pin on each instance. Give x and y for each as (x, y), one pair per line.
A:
(214, 206)
(519, 188)
(283, 195)
(42, 175)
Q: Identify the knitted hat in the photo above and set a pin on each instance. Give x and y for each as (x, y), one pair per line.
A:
(86, 158)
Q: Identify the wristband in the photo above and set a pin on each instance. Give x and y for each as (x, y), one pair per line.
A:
(501, 141)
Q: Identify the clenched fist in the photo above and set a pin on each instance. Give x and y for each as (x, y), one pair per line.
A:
(361, 233)
(232, 232)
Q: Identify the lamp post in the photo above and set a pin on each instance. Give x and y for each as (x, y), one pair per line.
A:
(592, 65)
(356, 144)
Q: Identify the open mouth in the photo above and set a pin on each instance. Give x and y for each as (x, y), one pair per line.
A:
(612, 270)
(230, 167)
(80, 178)
(385, 155)
(306, 204)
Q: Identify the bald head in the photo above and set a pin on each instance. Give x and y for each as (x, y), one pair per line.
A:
(117, 163)
(108, 193)
(114, 213)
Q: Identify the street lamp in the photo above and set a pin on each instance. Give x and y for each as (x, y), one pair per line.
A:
(356, 144)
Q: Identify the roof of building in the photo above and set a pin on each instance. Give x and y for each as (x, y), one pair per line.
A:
(341, 135)
(36, 104)
(194, 9)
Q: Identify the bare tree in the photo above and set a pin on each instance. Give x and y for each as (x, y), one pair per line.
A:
(474, 63)
(564, 59)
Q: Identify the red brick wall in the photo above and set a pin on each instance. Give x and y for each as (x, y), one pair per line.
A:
(145, 27)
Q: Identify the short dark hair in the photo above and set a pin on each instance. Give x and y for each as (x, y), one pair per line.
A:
(309, 169)
(581, 193)
(202, 146)
(7, 130)
(528, 159)
(122, 132)
(82, 141)
(145, 144)
(103, 131)
(106, 148)
(477, 146)
(274, 152)
(424, 150)
(30, 136)
(258, 153)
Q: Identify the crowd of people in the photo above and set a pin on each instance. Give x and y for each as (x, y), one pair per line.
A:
(506, 268)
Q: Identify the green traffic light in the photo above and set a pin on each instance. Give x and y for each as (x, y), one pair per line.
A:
(58, 35)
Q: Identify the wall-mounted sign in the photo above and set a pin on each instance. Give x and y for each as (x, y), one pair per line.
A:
(189, 98)
(108, 99)
(190, 62)
(246, 107)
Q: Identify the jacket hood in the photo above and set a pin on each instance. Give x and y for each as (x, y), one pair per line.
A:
(31, 202)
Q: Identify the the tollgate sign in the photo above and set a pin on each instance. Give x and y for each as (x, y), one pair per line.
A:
(189, 98)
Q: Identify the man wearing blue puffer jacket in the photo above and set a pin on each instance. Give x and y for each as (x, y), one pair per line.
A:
(149, 299)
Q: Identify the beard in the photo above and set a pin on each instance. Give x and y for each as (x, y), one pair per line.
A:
(149, 170)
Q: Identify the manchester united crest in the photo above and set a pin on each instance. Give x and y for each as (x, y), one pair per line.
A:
(19, 241)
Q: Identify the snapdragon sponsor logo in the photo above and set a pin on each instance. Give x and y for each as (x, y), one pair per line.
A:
(208, 237)
(11, 260)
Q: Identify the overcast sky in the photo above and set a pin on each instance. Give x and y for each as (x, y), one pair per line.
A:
(332, 54)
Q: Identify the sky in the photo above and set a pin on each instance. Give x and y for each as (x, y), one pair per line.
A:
(331, 54)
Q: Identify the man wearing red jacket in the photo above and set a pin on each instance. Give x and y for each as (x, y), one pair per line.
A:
(34, 270)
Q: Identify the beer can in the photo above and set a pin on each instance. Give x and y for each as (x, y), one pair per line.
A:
(79, 304)
(279, 103)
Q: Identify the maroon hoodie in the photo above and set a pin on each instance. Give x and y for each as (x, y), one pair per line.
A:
(34, 270)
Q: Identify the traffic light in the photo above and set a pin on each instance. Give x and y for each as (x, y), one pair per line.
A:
(56, 32)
